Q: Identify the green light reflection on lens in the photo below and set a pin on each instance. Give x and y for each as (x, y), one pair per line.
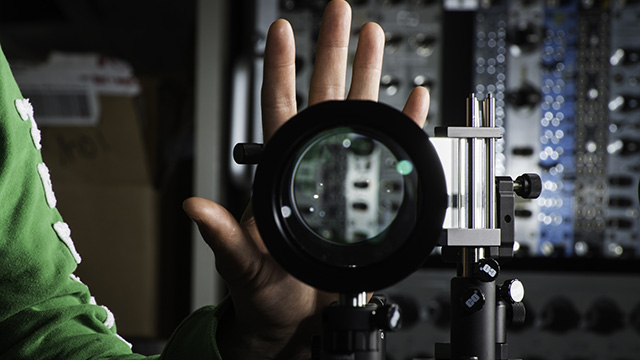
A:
(404, 167)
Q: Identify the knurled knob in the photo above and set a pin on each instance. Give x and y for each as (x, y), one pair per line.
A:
(528, 186)
(518, 314)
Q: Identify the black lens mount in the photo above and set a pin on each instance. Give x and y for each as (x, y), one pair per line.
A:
(349, 196)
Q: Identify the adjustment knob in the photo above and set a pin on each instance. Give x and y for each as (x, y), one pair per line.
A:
(528, 186)
(524, 38)
(512, 291)
(627, 147)
(409, 309)
(518, 314)
(388, 317)
(472, 300)
(526, 96)
(247, 153)
(604, 317)
(559, 315)
(487, 270)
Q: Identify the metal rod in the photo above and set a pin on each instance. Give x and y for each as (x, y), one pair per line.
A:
(474, 190)
(353, 300)
(473, 120)
(489, 120)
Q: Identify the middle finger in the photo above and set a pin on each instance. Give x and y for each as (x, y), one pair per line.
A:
(328, 79)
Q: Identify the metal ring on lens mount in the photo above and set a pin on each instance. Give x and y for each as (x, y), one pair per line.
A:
(345, 263)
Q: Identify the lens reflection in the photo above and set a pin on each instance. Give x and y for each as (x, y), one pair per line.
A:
(348, 187)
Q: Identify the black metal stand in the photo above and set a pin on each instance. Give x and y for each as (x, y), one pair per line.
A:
(355, 331)
(480, 309)
(481, 312)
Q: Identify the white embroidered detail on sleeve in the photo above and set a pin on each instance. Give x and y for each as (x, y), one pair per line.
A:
(43, 170)
(64, 233)
(25, 109)
(111, 320)
(76, 278)
(35, 134)
(125, 341)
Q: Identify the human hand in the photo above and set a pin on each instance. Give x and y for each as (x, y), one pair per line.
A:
(275, 314)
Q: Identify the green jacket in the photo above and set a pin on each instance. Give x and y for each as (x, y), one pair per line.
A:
(45, 311)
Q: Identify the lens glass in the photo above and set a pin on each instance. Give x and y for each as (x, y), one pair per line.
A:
(348, 187)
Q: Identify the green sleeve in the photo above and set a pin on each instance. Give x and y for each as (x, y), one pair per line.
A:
(46, 312)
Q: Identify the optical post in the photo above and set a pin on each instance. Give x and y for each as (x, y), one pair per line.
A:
(482, 237)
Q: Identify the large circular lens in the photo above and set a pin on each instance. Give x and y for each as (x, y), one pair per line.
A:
(347, 187)
(349, 196)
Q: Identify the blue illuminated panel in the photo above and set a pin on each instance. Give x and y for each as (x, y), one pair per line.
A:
(559, 66)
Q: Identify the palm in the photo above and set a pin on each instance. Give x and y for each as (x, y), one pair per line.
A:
(270, 295)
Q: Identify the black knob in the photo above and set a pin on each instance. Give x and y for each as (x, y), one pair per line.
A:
(528, 186)
(518, 314)
(525, 38)
(388, 317)
(472, 300)
(604, 317)
(247, 153)
(559, 315)
(409, 308)
(512, 291)
(525, 96)
(627, 147)
(423, 44)
(487, 270)
(521, 312)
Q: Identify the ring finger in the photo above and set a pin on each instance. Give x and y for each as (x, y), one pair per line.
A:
(367, 64)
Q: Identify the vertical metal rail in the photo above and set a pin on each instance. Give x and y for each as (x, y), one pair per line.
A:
(489, 120)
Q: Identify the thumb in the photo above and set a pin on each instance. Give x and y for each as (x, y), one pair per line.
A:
(233, 249)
